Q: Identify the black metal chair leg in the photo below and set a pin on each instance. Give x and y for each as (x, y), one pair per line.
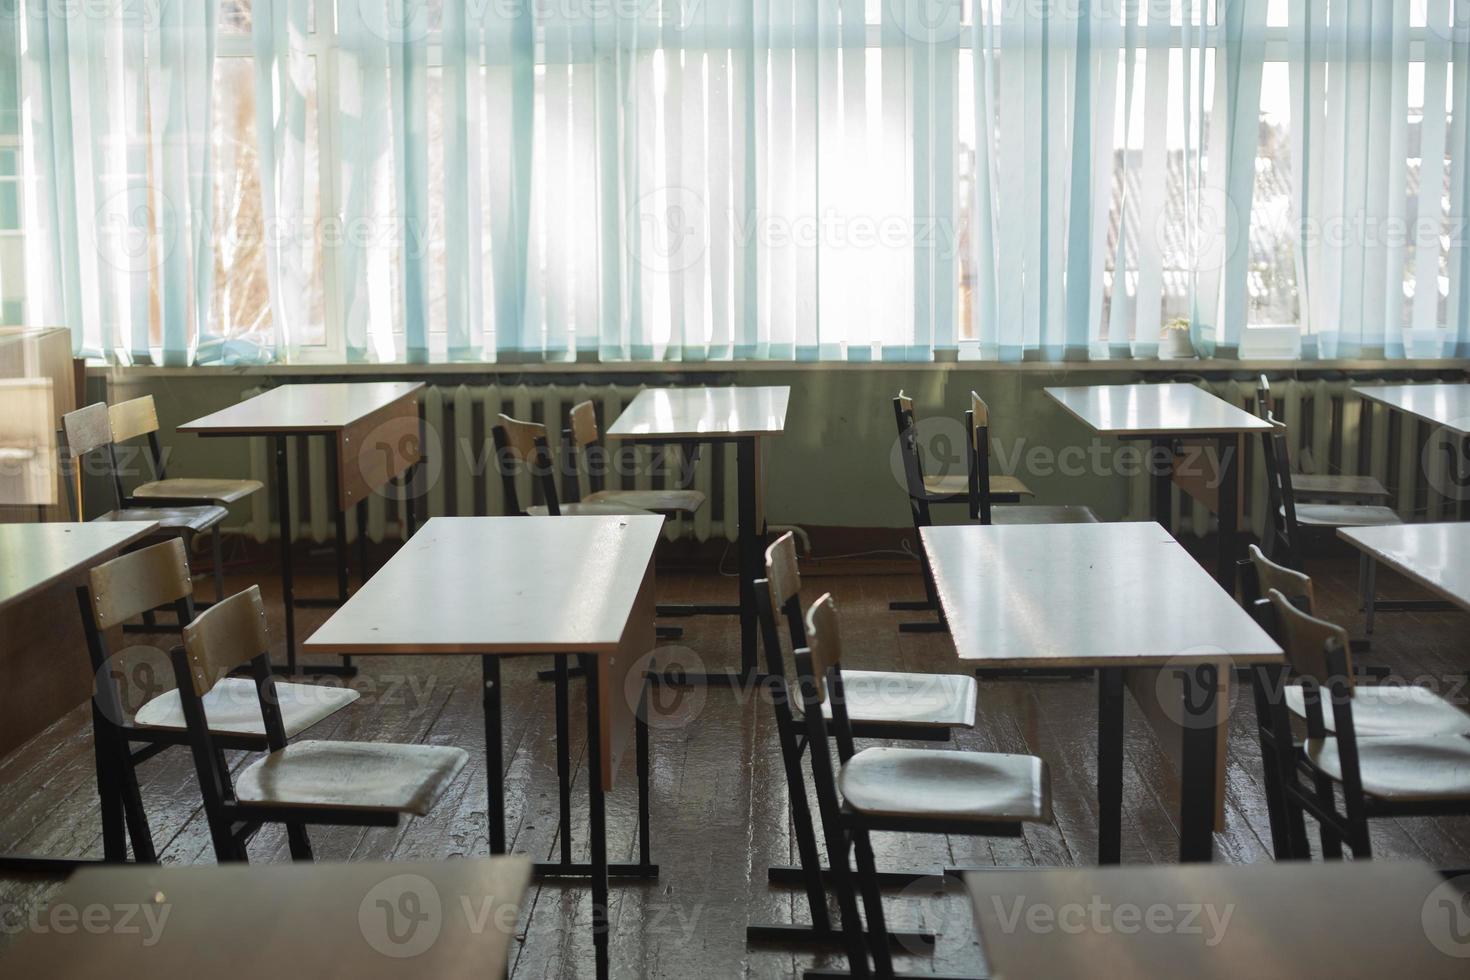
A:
(645, 829)
(139, 832)
(563, 762)
(873, 905)
(300, 843)
(847, 908)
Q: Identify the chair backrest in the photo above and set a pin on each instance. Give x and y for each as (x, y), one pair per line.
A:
(135, 582)
(782, 571)
(977, 426)
(913, 469)
(224, 637)
(1279, 493)
(133, 418)
(1265, 405)
(1291, 583)
(1317, 650)
(1318, 653)
(583, 420)
(819, 670)
(903, 409)
(778, 594)
(518, 444)
(87, 429)
(824, 643)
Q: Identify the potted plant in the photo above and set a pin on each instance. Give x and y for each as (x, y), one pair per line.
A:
(1174, 342)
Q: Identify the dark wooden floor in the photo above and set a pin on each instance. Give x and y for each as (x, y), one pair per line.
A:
(719, 801)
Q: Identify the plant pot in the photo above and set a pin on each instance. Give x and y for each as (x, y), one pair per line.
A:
(1175, 345)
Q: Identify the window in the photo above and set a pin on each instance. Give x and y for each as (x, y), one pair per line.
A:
(12, 244)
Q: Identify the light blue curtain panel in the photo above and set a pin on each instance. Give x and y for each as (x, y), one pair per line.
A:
(693, 180)
(118, 145)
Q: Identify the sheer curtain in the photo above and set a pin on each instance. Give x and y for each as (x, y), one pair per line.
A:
(117, 137)
(1381, 180)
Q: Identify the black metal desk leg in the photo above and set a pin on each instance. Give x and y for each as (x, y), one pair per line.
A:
(645, 823)
(362, 542)
(1160, 464)
(750, 549)
(340, 528)
(1198, 764)
(1109, 765)
(597, 818)
(1228, 451)
(494, 759)
(288, 590)
(563, 761)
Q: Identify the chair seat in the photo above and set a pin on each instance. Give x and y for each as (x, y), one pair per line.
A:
(358, 775)
(938, 785)
(919, 700)
(589, 510)
(195, 519)
(1403, 768)
(1335, 488)
(1042, 514)
(958, 485)
(1345, 515)
(1391, 710)
(668, 502)
(189, 488)
(234, 709)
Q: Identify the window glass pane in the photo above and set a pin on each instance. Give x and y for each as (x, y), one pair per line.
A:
(241, 307)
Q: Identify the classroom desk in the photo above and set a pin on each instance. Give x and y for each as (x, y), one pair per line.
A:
(1182, 422)
(364, 920)
(718, 416)
(374, 436)
(1447, 408)
(494, 587)
(34, 558)
(1117, 599)
(1437, 556)
(1267, 921)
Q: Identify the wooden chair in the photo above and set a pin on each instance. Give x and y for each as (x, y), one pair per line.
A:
(1288, 518)
(585, 441)
(981, 484)
(925, 491)
(880, 704)
(1334, 488)
(1377, 710)
(894, 789)
(524, 444)
(89, 430)
(311, 782)
(120, 590)
(1380, 777)
(137, 418)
